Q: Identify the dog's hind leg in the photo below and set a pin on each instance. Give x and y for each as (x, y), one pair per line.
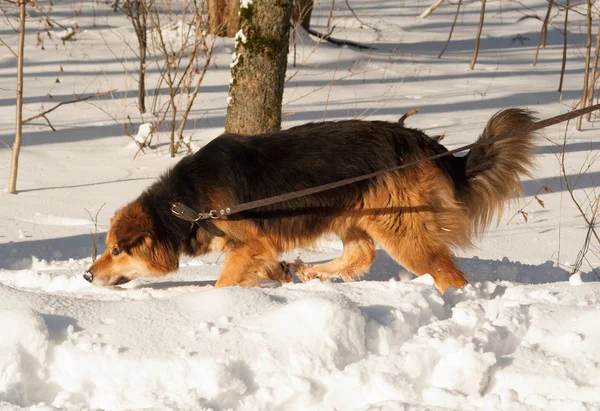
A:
(422, 254)
(248, 265)
(357, 257)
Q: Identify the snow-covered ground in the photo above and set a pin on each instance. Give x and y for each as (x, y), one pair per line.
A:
(522, 335)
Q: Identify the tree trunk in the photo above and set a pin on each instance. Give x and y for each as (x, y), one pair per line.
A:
(16, 148)
(258, 69)
(302, 12)
(223, 17)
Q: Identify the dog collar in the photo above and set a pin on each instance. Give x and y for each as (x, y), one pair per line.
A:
(186, 213)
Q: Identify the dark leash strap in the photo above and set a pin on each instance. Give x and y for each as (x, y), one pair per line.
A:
(191, 215)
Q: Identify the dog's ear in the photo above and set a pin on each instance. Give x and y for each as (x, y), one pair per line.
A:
(130, 238)
(133, 227)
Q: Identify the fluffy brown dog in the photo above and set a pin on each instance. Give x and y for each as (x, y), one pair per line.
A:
(418, 215)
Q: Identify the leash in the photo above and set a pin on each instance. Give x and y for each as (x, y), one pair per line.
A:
(183, 212)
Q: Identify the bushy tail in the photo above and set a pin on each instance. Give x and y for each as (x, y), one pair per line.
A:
(493, 170)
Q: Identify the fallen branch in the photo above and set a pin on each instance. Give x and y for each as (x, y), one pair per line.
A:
(338, 42)
(78, 99)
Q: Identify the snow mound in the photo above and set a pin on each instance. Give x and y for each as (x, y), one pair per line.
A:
(23, 355)
(356, 346)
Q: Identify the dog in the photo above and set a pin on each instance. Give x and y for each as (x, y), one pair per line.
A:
(419, 214)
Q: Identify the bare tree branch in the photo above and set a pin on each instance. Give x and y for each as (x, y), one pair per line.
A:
(543, 32)
(430, 9)
(479, 30)
(9, 48)
(95, 232)
(359, 20)
(4, 142)
(43, 113)
(564, 59)
(586, 74)
(451, 29)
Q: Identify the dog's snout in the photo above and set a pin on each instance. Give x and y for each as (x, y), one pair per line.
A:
(88, 276)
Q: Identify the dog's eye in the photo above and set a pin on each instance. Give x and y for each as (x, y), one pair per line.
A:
(116, 251)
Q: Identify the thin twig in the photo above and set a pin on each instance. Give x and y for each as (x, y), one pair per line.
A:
(9, 48)
(564, 59)
(43, 113)
(451, 29)
(586, 74)
(360, 21)
(477, 39)
(312, 51)
(325, 85)
(95, 232)
(570, 188)
(331, 85)
(3, 142)
(595, 68)
(330, 14)
(48, 121)
(543, 32)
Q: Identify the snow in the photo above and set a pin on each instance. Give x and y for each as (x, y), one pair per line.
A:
(299, 346)
(235, 58)
(240, 36)
(144, 134)
(522, 335)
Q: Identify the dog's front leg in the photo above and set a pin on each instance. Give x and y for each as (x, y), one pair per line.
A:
(249, 264)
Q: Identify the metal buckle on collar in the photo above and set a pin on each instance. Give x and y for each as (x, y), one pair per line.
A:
(211, 215)
(185, 213)
(178, 209)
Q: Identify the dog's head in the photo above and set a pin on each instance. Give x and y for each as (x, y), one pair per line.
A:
(133, 249)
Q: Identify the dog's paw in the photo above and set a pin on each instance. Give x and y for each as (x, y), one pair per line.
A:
(301, 270)
(268, 284)
(304, 273)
